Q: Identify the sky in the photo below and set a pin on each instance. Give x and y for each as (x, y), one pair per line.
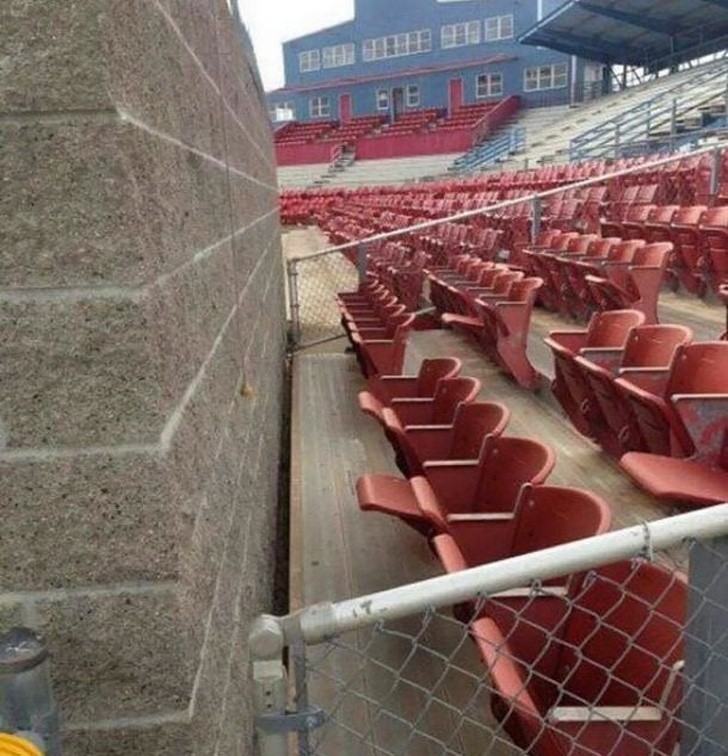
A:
(271, 22)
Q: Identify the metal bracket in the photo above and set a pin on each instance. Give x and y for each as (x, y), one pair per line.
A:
(296, 721)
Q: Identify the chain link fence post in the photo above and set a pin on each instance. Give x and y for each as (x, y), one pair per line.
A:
(293, 301)
(361, 263)
(536, 223)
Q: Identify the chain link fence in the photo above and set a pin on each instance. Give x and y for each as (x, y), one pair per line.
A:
(618, 657)
(313, 283)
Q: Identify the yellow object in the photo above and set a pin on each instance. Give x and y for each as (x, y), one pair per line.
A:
(12, 745)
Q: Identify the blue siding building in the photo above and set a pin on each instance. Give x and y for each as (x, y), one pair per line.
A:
(397, 55)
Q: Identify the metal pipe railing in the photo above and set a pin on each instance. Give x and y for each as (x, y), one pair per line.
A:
(319, 622)
(487, 209)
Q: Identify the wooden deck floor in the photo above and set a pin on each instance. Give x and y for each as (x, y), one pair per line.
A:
(422, 670)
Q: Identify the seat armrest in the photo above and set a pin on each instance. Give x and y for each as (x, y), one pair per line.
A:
(605, 357)
(571, 340)
(567, 714)
(481, 517)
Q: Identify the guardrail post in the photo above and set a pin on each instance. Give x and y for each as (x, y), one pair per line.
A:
(706, 651)
(293, 301)
(536, 222)
(270, 687)
(361, 262)
(715, 171)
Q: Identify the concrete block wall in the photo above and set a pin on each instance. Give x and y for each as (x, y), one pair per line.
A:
(141, 364)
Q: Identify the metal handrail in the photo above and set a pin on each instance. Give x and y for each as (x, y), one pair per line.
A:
(487, 209)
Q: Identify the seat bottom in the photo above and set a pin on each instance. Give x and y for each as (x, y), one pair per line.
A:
(393, 496)
(677, 478)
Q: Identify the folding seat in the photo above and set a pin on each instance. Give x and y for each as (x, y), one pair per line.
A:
(464, 308)
(619, 254)
(384, 388)
(439, 409)
(554, 273)
(713, 229)
(634, 285)
(530, 257)
(574, 294)
(380, 326)
(688, 263)
(632, 226)
(723, 296)
(384, 356)
(489, 484)
(505, 330)
(690, 415)
(659, 222)
(604, 677)
(626, 198)
(414, 445)
(544, 516)
(606, 331)
(646, 361)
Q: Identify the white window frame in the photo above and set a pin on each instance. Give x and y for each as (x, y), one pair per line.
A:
(309, 60)
(499, 27)
(460, 34)
(489, 78)
(336, 56)
(382, 99)
(542, 78)
(412, 96)
(319, 107)
(396, 45)
(279, 108)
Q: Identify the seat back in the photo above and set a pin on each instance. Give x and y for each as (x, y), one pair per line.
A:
(654, 255)
(525, 289)
(715, 217)
(504, 280)
(700, 368)
(623, 635)
(688, 216)
(472, 423)
(600, 248)
(611, 329)
(580, 245)
(432, 370)
(506, 465)
(654, 345)
(551, 515)
(449, 394)
(625, 251)
(663, 214)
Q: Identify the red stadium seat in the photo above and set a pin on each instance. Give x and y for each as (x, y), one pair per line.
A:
(606, 331)
(687, 264)
(383, 356)
(646, 360)
(714, 240)
(488, 484)
(440, 408)
(605, 678)
(504, 334)
(544, 516)
(384, 388)
(690, 417)
(634, 285)
(463, 439)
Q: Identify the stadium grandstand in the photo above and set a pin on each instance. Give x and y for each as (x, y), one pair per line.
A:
(506, 245)
(469, 85)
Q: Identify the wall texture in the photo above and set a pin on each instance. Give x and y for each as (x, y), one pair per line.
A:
(141, 365)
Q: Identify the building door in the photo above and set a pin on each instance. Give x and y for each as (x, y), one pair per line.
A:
(397, 105)
(345, 108)
(455, 98)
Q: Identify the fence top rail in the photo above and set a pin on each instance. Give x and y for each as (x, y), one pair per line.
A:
(486, 209)
(321, 622)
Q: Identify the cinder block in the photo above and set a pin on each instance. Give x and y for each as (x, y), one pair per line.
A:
(103, 202)
(92, 382)
(90, 520)
(196, 22)
(117, 655)
(52, 58)
(170, 739)
(153, 76)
